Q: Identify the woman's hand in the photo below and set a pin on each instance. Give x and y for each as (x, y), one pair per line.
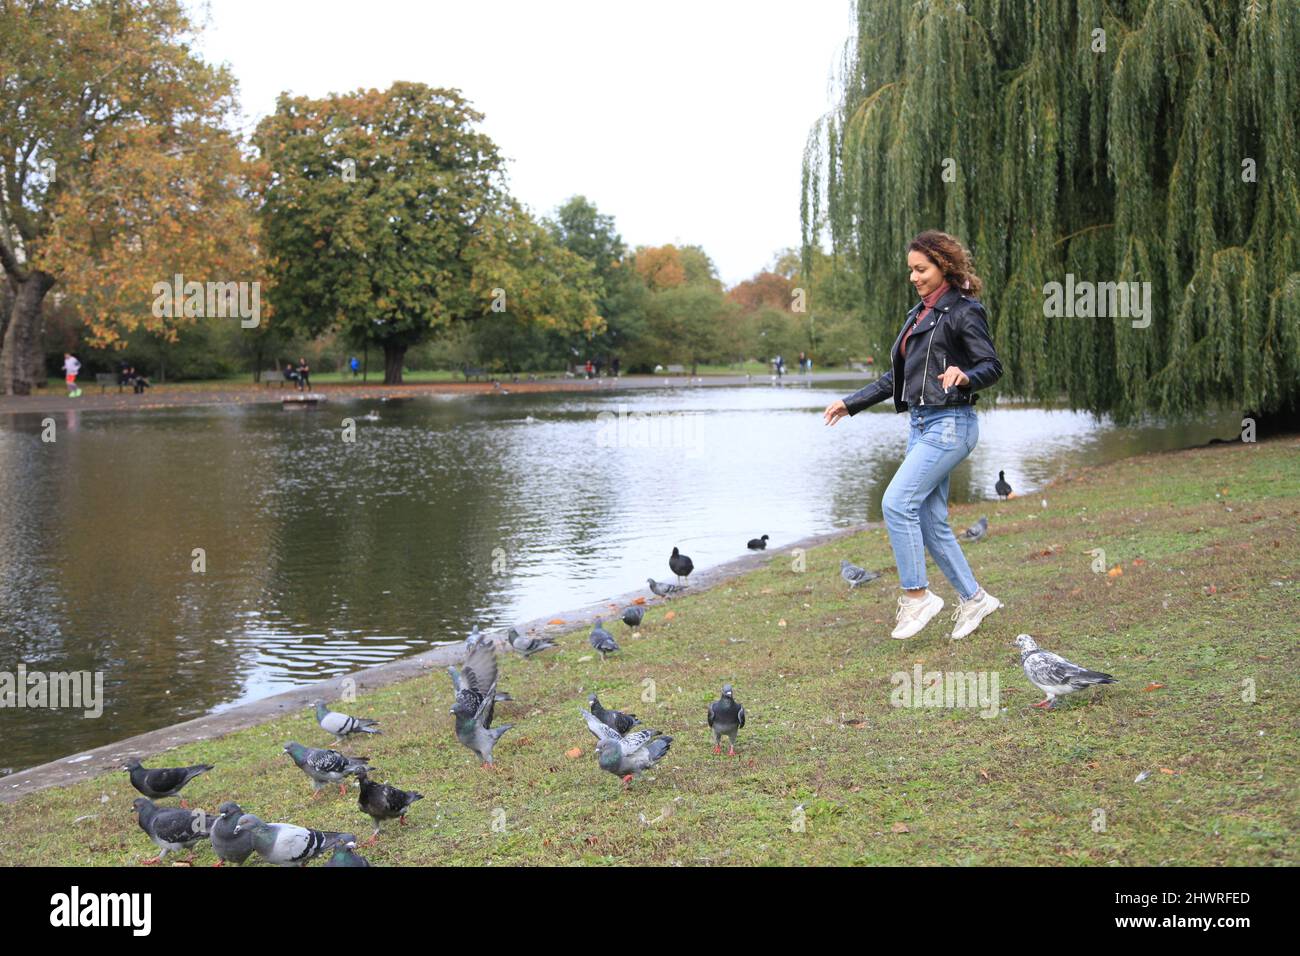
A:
(835, 411)
(951, 376)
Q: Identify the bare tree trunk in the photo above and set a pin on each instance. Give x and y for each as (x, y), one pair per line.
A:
(393, 356)
(22, 337)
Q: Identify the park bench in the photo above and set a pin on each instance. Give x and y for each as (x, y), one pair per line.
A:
(675, 369)
(105, 379)
(472, 372)
(273, 376)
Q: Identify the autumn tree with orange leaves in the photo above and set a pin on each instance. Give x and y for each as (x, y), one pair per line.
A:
(118, 169)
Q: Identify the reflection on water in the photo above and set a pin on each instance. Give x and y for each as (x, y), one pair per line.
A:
(323, 556)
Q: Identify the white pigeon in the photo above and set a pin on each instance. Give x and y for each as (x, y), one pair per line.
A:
(1053, 674)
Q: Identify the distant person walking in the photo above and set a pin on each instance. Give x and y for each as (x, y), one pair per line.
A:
(941, 357)
(355, 365)
(70, 369)
(304, 374)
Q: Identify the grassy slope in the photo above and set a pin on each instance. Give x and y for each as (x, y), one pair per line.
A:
(1019, 788)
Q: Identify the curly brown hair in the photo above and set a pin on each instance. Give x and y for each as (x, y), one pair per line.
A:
(950, 257)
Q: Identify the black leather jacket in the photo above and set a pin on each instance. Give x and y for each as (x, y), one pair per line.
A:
(956, 332)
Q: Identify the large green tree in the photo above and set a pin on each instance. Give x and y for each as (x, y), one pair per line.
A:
(1134, 141)
(374, 210)
(117, 168)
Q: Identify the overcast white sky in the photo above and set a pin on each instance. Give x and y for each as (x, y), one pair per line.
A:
(684, 119)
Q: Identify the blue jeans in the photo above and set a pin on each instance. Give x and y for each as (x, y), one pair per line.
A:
(916, 501)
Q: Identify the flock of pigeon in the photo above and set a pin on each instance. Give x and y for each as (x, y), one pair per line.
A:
(624, 747)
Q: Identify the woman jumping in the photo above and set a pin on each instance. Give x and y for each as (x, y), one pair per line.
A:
(942, 356)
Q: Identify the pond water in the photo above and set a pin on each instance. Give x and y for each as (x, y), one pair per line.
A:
(323, 556)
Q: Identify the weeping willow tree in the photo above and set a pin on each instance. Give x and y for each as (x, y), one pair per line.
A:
(1111, 140)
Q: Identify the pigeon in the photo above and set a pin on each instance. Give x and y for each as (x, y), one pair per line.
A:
(627, 756)
(455, 683)
(382, 801)
(855, 575)
(229, 846)
(602, 640)
(171, 828)
(1001, 487)
(663, 590)
(612, 718)
(345, 855)
(633, 614)
(341, 725)
(474, 637)
(726, 717)
(285, 844)
(757, 544)
(162, 781)
(476, 694)
(680, 565)
(1053, 674)
(976, 531)
(324, 766)
(528, 646)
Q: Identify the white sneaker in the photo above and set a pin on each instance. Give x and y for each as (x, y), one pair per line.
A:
(915, 614)
(968, 615)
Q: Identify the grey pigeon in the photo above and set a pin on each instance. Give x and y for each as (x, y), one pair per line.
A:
(162, 781)
(612, 718)
(476, 693)
(341, 725)
(287, 845)
(474, 637)
(1053, 674)
(757, 544)
(324, 766)
(726, 717)
(663, 590)
(171, 828)
(382, 801)
(602, 640)
(528, 646)
(455, 683)
(1001, 487)
(346, 855)
(856, 575)
(627, 756)
(230, 847)
(680, 565)
(633, 614)
(976, 531)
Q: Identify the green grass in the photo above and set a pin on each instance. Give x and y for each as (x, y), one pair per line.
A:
(877, 784)
(376, 377)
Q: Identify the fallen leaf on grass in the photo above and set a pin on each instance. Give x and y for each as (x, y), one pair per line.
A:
(670, 615)
(639, 600)
(781, 623)
(1154, 685)
(1138, 562)
(1115, 572)
(1168, 771)
(900, 828)
(985, 774)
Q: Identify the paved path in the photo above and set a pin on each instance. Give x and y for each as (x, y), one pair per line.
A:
(171, 396)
